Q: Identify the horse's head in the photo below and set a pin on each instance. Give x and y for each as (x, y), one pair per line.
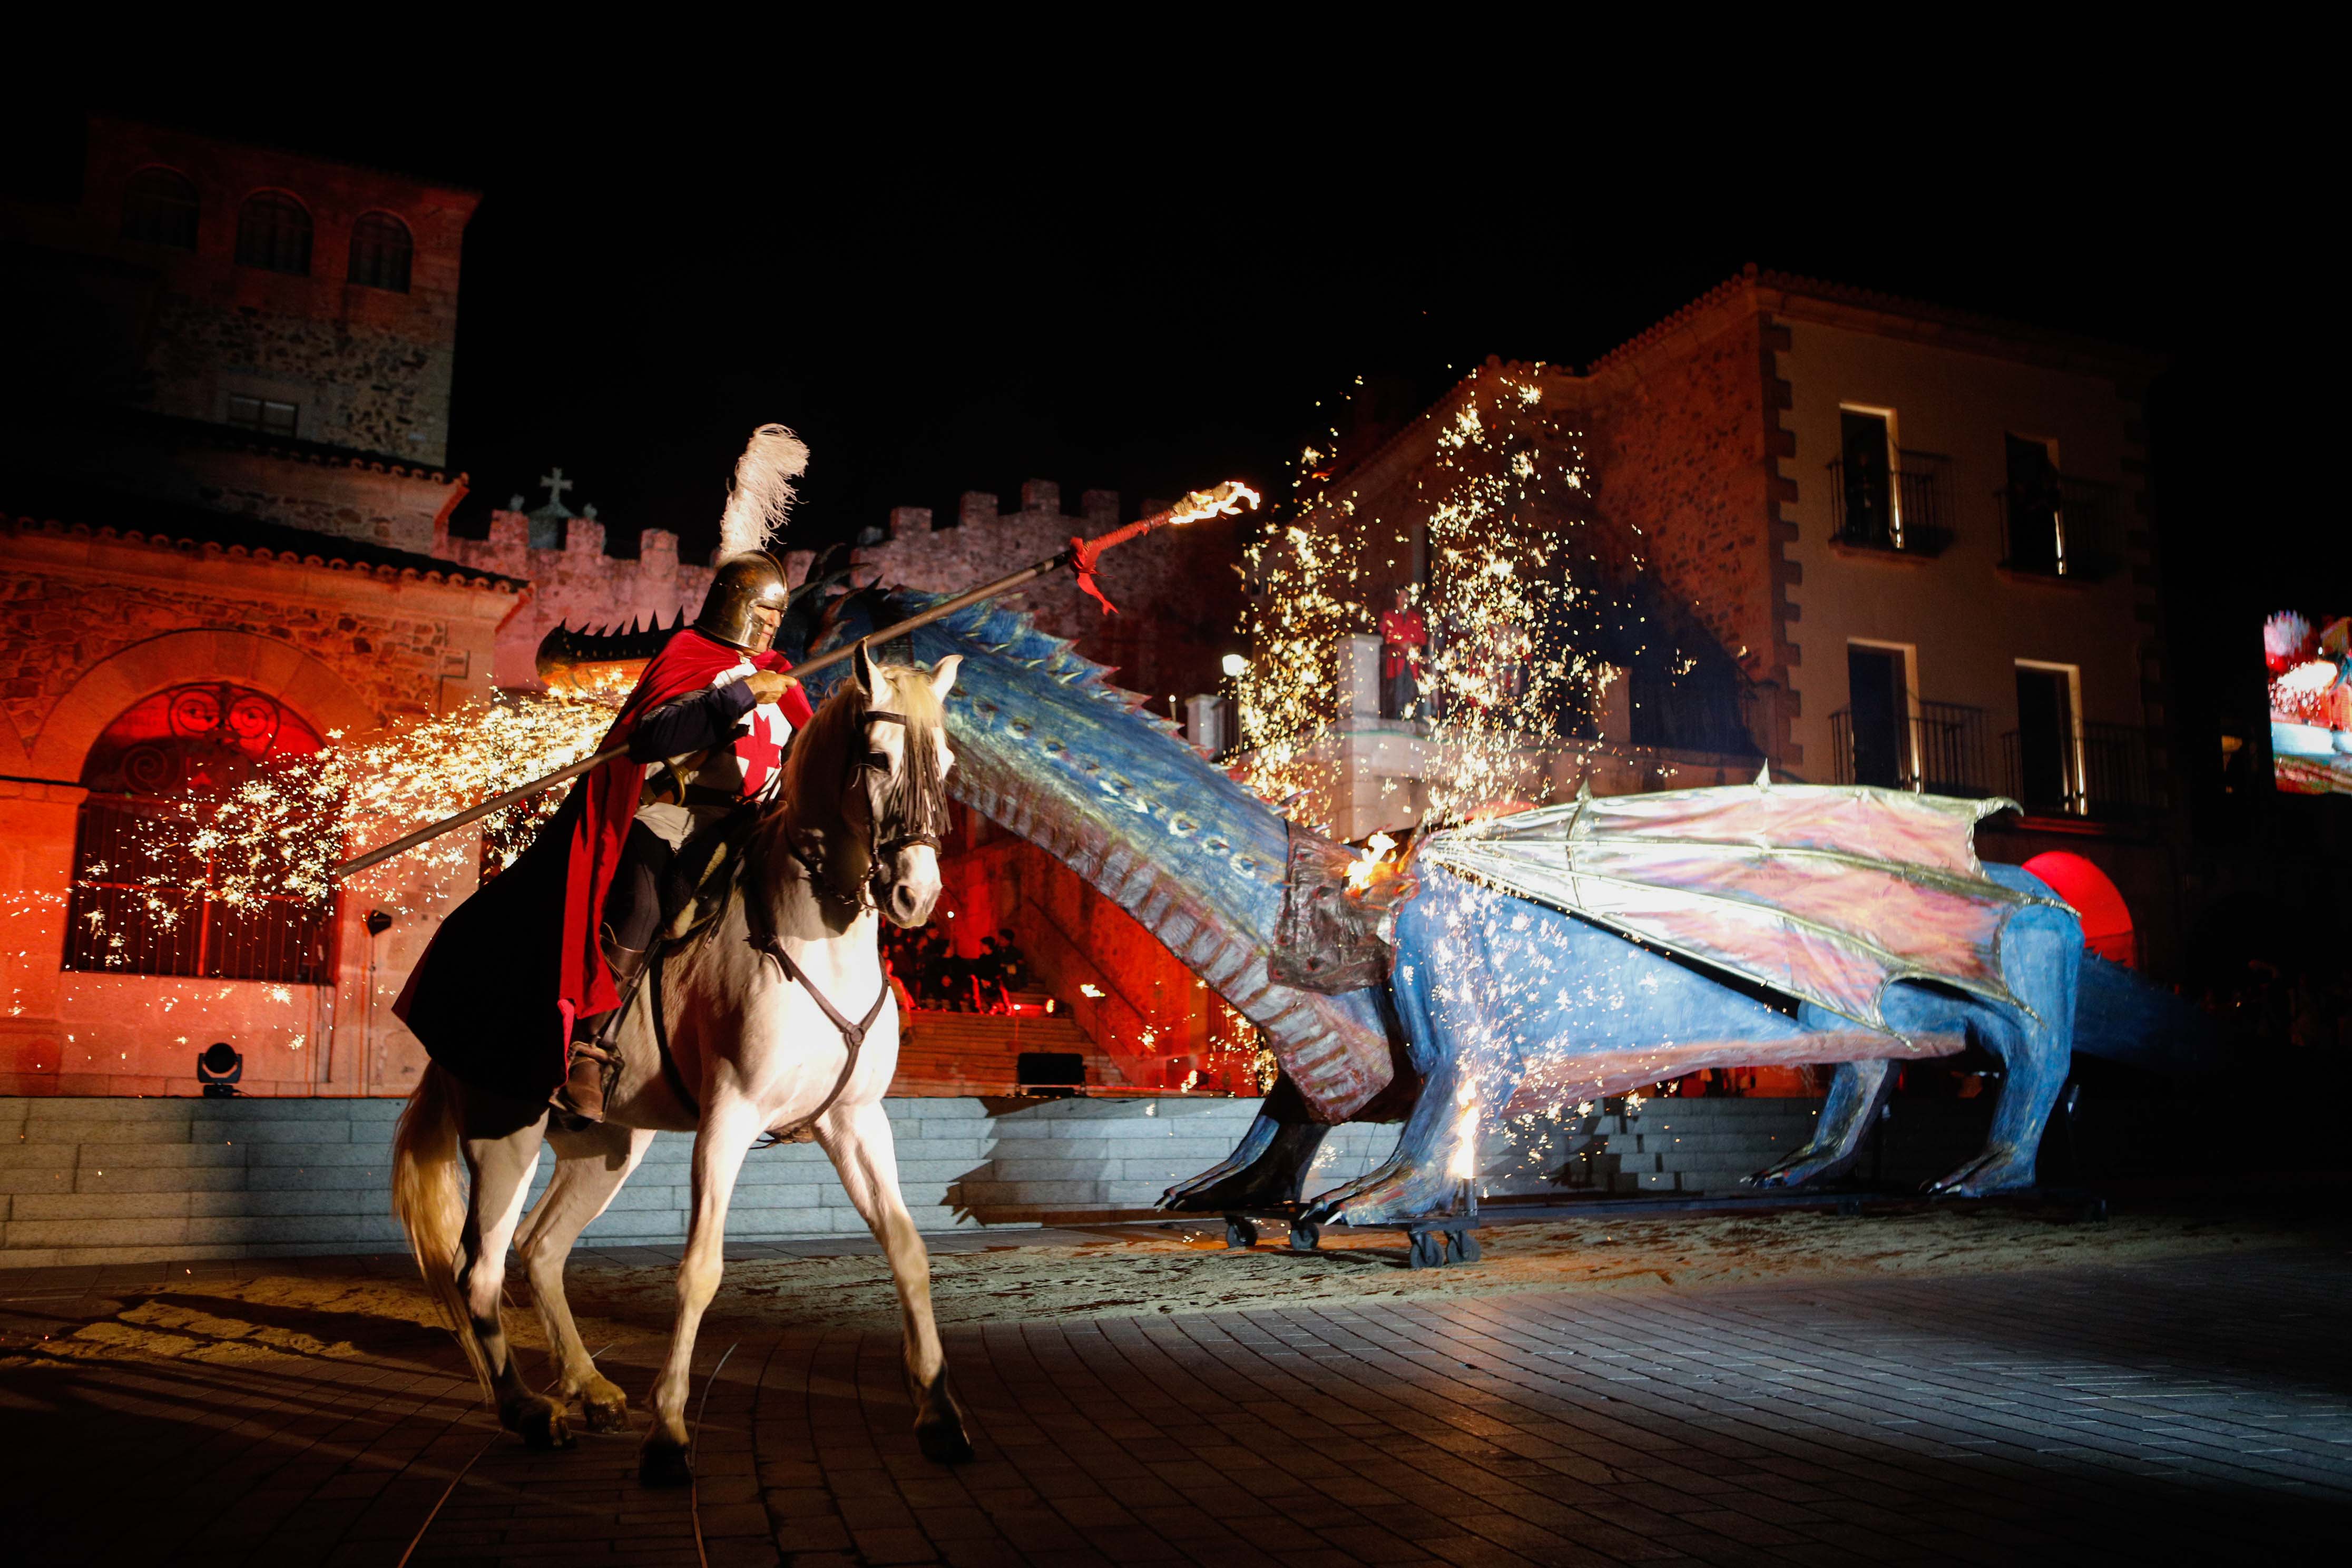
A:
(900, 804)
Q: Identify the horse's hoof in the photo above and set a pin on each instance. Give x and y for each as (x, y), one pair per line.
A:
(606, 1415)
(665, 1465)
(540, 1421)
(943, 1442)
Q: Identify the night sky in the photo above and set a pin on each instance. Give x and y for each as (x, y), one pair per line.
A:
(946, 294)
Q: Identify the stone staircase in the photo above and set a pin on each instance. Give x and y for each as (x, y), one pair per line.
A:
(101, 1181)
(979, 1053)
(1702, 1147)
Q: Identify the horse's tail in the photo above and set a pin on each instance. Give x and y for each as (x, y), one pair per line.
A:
(431, 1208)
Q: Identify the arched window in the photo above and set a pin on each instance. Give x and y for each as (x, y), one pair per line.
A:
(159, 207)
(380, 252)
(143, 900)
(273, 233)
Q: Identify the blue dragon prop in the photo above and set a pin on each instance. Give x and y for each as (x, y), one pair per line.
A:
(1555, 956)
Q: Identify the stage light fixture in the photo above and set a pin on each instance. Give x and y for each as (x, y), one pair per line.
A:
(219, 1066)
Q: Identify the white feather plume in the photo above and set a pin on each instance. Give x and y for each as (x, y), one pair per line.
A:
(761, 496)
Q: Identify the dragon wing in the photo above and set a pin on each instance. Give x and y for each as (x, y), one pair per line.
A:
(1828, 893)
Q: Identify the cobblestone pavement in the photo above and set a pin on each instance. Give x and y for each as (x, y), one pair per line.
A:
(2185, 1410)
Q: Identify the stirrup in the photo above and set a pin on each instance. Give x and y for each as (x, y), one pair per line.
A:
(572, 1114)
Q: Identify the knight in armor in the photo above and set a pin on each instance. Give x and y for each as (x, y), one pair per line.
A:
(551, 950)
(712, 715)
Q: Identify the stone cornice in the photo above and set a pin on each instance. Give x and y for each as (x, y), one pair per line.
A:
(322, 573)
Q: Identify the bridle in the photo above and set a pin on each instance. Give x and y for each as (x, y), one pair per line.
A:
(923, 826)
(916, 832)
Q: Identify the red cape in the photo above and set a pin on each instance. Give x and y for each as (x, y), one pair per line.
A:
(687, 663)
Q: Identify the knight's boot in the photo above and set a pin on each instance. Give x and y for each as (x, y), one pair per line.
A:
(582, 1099)
(594, 1062)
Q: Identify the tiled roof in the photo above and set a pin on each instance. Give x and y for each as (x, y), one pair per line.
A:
(174, 431)
(186, 529)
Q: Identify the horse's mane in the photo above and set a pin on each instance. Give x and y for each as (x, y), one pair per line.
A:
(819, 759)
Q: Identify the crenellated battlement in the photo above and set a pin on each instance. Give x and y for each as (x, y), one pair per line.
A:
(1154, 582)
(1176, 595)
(576, 583)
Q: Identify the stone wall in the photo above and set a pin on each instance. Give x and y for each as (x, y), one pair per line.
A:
(55, 624)
(105, 474)
(91, 1180)
(90, 623)
(579, 585)
(368, 368)
(1682, 444)
(362, 387)
(1178, 594)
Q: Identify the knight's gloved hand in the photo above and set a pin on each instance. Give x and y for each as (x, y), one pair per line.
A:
(767, 685)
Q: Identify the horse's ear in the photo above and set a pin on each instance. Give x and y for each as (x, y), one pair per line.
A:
(861, 668)
(943, 676)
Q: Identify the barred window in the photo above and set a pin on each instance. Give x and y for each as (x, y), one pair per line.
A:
(159, 207)
(143, 899)
(267, 415)
(380, 252)
(273, 233)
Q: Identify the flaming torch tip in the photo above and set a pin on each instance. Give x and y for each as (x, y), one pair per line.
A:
(1220, 501)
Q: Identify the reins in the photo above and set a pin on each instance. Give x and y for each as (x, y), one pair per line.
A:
(760, 935)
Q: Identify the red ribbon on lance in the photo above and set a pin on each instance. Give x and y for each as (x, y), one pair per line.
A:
(1084, 552)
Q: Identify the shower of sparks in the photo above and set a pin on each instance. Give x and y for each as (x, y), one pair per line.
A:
(1536, 605)
(1464, 1162)
(1496, 505)
(278, 836)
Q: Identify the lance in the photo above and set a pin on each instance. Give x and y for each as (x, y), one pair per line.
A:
(1080, 555)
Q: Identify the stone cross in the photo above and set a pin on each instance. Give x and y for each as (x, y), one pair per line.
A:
(556, 484)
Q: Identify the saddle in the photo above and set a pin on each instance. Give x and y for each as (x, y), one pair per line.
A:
(702, 879)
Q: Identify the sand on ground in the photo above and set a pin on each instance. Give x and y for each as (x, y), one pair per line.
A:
(344, 1310)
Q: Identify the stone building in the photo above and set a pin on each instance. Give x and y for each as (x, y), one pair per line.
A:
(229, 536)
(1914, 544)
(220, 492)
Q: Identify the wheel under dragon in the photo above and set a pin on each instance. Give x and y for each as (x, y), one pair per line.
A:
(1555, 956)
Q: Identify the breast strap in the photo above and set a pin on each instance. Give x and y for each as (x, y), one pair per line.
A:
(764, 940)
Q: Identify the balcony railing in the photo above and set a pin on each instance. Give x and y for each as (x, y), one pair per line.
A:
(1910, 520)
(1940, 750)
(2066, 531)
(2103, 776)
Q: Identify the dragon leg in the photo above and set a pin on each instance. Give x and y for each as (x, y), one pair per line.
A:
(1267, 1168)
(2041, 955)
(1856, 1094)
(1425, 1172)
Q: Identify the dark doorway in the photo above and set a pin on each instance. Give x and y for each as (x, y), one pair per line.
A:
(2045, 739)
(1880, 709)
(1869, 481)
(2032, 501)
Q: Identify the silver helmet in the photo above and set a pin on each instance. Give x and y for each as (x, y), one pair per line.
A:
(743, 583)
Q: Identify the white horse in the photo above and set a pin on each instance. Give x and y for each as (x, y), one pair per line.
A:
(762, 1016)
